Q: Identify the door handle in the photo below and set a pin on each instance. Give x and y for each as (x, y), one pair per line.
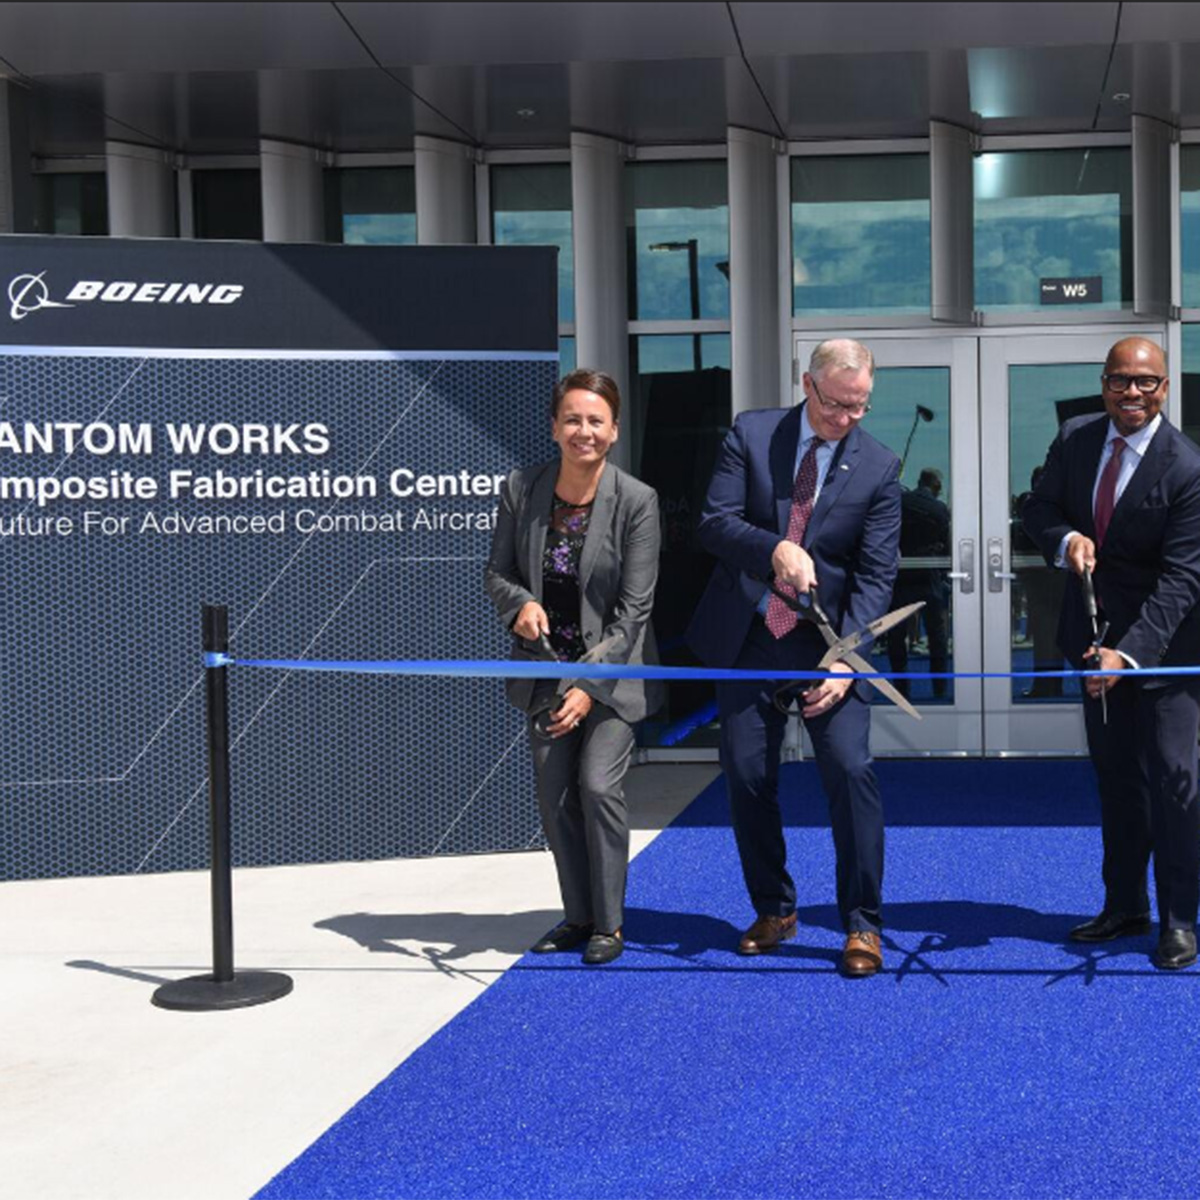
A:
(966, 567)
(995, 562)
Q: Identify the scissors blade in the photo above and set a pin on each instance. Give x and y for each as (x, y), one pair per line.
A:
(877, 681)
(889, 620)
(842, 649)
(873, 629)
(1098, 635)
(831, 640)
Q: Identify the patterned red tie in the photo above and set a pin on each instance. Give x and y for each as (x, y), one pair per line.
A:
(1106, 493)
(782, 620)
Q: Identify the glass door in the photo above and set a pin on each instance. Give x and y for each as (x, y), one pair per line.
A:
(1030, 384)
(925, 407)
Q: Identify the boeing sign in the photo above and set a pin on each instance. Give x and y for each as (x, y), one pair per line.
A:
(29, 293)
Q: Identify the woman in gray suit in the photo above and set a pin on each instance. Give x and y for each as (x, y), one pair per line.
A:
(574, 559)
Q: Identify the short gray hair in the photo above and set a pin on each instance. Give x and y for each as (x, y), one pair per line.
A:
(841, 354)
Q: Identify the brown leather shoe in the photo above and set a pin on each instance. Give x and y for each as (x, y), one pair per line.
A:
(861, 955)
(766, 933)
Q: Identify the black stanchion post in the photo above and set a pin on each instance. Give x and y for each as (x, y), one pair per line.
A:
(216, 701)
(223, 988)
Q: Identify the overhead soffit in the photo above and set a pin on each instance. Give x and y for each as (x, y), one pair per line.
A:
(214, 78)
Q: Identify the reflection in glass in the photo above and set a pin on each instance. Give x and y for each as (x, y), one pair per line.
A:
(371, 206)
(910, 413)
(1041, 398)
(659, 354)
(1183, 403)
(677, 218)
(566, 356)
(71, 203)
(1189, 224)
(1052, 214)
(677, 419)
(860, 234)
(531, 206)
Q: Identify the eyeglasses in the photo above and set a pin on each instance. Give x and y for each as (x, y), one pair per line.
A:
(1144, 383)
(854, 411)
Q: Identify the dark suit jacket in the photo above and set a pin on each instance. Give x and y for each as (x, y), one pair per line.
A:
(1148, 570)
(853, 534)
(618, 569)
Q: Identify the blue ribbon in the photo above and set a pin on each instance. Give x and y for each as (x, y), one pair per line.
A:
(530, 669)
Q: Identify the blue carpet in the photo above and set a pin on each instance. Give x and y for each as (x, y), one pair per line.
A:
(991, 1059)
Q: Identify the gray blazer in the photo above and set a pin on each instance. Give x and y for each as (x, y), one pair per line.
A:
(618, 569)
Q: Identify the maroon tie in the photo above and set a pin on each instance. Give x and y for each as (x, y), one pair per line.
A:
(1106, 493)
(780, 618)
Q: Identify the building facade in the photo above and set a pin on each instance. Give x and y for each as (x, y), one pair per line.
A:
(987, 194)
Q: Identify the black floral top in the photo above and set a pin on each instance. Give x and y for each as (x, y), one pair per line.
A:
(560, 576)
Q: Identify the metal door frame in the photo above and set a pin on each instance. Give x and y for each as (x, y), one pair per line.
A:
(945, 730)
(1050, 730)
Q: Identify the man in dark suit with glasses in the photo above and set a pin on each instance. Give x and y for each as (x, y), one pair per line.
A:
(807, 496)
(1120, 497)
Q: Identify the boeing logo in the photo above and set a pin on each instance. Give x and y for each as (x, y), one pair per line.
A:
(29, 293)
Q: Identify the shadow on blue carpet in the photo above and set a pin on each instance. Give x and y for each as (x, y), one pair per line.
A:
(991, 1058)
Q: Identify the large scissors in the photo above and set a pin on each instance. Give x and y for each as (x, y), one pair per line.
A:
(542, 714)
(1099, 633)
(844, 649)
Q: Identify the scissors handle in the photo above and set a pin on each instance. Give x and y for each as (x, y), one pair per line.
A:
(1089, 596)
(543, 715)
(540, 645)
(804, 604)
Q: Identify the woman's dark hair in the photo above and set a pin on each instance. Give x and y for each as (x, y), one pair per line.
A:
(587, 380)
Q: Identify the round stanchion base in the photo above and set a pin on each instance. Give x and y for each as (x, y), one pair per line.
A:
(202, 993)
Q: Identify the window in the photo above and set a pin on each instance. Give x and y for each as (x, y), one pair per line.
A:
(680, 414)
(71, 203)
(228, 204)
(860, 234)
(677, 227)
(661, 354)
(531, 206)
(677, 218)
(910, 414)
(1189, 224)
(1184, 396)
(1041, 398)
(1045, 215)
(371, 206)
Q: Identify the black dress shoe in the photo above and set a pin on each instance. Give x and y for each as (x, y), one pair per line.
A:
(1110, 925)
(603, 948)
(562, 937)
(1176, 949)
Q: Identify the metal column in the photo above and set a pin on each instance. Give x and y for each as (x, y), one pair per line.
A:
(601, 305)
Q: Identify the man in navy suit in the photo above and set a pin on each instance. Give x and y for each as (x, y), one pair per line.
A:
(803, 495)
(1120, 496)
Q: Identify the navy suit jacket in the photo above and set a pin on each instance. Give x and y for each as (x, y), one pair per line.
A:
(1148, 570)
(853, 534)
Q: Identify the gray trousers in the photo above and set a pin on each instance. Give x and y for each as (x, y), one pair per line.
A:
(581, 798)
